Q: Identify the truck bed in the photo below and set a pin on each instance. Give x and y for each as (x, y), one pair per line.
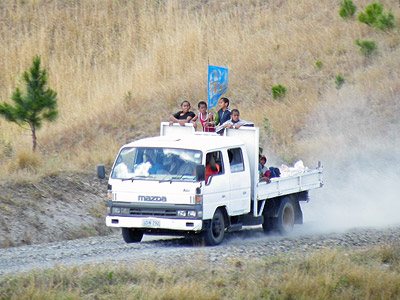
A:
(281, 186)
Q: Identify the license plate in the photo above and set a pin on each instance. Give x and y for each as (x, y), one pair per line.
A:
(151, 223)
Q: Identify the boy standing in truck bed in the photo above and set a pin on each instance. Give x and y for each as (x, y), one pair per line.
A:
(224, 113)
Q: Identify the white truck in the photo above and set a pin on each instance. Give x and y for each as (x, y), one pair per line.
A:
(158, 185)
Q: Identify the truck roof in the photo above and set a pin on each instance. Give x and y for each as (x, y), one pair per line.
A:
(197, 141)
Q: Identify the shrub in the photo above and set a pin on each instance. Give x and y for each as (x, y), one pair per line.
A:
(278, 91)
(347, 9)
(319, 64)
(372, 12)
(267, 127)
(339, 81)
(375, 17)
(367, 48)
(385, 22)
(26, 160)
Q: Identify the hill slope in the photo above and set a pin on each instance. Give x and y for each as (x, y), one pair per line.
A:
(120, 67)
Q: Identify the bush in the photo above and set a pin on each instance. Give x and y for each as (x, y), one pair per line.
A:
(372, 12)
(347, 9)
(319, 64)
(385, 22)
(26, 160)
(339, 81)
(278, 91)
(367, 48)
(374, 16)
(267, 127)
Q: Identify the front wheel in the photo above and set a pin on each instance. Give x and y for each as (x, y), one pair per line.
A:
(132, 235)
(215, 233)
(285, 221)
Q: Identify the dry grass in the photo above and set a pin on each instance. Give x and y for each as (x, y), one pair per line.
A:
(329, 274)
(120, 67)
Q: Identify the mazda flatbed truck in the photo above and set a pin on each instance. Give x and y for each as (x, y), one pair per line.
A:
(158, 185)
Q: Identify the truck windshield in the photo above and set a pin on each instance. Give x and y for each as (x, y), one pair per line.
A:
(163, 164)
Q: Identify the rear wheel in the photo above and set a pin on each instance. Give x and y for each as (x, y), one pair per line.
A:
(285, 221)
(132, 235)
(267, 224)
(215, 233)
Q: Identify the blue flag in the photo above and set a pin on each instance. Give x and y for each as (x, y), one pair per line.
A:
(217, 84)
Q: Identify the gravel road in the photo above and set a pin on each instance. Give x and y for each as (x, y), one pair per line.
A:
(246, 244)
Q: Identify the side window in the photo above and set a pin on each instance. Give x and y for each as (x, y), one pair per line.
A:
(214, 165)
(236, 160)
(218, 159)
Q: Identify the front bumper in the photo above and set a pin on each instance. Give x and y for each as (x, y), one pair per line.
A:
(155, 223)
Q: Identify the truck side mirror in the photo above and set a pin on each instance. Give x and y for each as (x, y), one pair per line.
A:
(101, 172)
(200, 173)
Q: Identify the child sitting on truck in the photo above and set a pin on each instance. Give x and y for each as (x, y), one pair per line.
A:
(234, 122)
(206, 118)
(264, 171)
(183, 116)
(224, 113)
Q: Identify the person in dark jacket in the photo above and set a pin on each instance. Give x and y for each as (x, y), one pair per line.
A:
(224, 113)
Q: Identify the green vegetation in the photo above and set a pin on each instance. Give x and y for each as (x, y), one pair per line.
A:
(339, 81)
(347, 9)
(319, 64)
(367, 48)
(267, 127)
(278, 91)
(39, 103)
(327, 274)
(374, 16)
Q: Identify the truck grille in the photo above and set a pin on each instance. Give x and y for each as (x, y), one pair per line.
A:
(152, 212)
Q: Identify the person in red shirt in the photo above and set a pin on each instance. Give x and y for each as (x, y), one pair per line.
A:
(212, 167)
(206, 118)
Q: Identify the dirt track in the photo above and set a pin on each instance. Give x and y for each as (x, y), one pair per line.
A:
(43, 221)
(243, 245)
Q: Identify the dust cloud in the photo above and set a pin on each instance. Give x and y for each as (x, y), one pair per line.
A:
(357, 139)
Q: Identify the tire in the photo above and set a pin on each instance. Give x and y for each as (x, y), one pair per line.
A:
(131, 235)
(267, 224)
(215, 233)
(285, 221)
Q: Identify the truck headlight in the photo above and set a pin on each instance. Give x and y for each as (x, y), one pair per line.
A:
(191, 213)
(120, 210)
(181, 213)
(125, 211)
(116, 210)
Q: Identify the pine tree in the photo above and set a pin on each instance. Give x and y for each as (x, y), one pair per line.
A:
(37, 105)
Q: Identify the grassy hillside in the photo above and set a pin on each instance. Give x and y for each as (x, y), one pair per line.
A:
(120, 67)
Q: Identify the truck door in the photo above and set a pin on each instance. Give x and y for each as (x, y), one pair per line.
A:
(216, 189)
(240, 183)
